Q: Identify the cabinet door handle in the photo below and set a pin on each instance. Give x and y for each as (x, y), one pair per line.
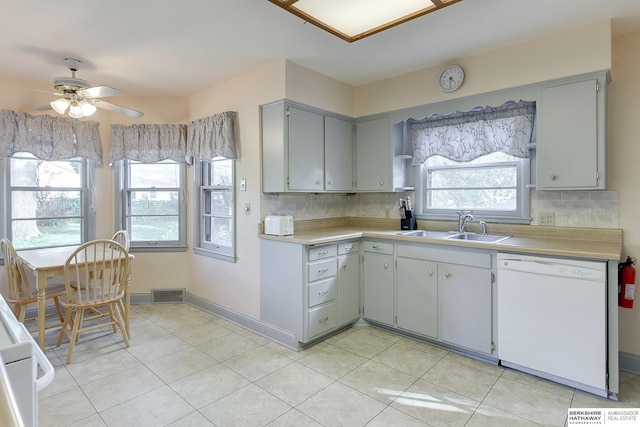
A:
(386, 265)
(430, 272)
(324, 270)
(447, 275)
(330, 183)
(344, 266)
(381, 182)
(553, 177)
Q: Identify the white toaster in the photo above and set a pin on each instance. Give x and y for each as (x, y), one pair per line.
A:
(278, 225)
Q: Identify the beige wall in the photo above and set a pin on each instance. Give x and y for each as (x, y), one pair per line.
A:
(623, 165)
(237, 285)
(569, 53)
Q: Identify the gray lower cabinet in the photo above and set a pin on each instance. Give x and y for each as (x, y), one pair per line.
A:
(417, 296)
(445, 294)
(348, 282)
(465, 306)
(378, 273)
(302, 290)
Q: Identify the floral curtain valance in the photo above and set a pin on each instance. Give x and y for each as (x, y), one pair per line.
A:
(212, 136)
(464, 136)
(48, 137)
(148, 143)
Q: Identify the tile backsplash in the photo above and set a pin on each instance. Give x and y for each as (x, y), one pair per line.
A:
(595, 209)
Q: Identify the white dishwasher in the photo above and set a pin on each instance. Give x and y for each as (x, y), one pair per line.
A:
(552, 319)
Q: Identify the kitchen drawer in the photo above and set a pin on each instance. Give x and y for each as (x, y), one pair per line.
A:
(322, 319)
(322, 252)
(321, 269)
(322, 291)
(348, 248)
(379, 247)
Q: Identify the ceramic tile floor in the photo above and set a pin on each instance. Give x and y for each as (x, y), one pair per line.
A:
(186, 367)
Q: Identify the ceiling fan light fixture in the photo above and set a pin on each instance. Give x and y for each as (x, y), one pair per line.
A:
(87, 107)
(75, 110)
(60, 105)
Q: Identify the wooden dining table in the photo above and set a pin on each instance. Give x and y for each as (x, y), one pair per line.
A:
(49, 262)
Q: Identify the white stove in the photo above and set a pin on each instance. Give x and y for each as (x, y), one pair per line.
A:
(20, 357)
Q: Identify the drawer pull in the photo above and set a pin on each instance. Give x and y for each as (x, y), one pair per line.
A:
(376, 247)
(323, 253)
(323, 293)
(447, 275)
(323, 320)
(324, 270)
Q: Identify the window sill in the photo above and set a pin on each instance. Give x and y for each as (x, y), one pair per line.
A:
(142, 249)
(216, 255)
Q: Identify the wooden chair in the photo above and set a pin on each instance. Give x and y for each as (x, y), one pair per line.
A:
(20, 294)
(122, 237)
(95, 277)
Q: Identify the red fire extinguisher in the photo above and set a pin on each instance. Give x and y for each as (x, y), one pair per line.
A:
(626, 283)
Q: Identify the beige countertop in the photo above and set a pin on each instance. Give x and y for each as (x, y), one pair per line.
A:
(590, 243)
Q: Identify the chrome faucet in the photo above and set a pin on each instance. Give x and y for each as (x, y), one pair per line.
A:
(484, 227)
(462, 220)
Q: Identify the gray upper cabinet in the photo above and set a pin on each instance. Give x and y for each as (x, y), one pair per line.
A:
(571, 152)
(373, 155)
(338, 154)
(305, 149)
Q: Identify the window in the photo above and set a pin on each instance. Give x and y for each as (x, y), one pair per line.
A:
(152, 206)
(215, 232)
(493, 187)
(47, 203)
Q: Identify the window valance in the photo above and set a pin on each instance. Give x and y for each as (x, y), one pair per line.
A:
(148, 143)
(464, 136)
(48, 137)
(212, 136)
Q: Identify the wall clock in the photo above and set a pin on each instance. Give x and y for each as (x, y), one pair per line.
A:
(451, 78)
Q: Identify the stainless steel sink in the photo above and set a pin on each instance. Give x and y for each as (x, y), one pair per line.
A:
(423, 233)
(473, 237)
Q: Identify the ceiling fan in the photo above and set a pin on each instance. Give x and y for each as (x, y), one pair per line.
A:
(81, 98)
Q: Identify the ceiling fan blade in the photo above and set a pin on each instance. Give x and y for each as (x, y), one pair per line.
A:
(43, 107)
(99, 92)
(33, 90)
(117, 109)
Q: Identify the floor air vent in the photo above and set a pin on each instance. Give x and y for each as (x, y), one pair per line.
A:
(168, 295)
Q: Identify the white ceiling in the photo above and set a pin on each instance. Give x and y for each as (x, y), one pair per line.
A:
(169, 47)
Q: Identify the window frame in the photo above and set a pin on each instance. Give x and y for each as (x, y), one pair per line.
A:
(86, 190)
(123, 189)
(200, 246)
(522, 214)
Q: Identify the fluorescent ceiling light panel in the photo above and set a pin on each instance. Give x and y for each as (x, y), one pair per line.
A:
(353, 20)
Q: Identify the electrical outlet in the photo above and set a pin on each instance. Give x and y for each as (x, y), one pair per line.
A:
(547, 218)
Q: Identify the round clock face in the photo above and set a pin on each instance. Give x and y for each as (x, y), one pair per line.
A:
(451, 78)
